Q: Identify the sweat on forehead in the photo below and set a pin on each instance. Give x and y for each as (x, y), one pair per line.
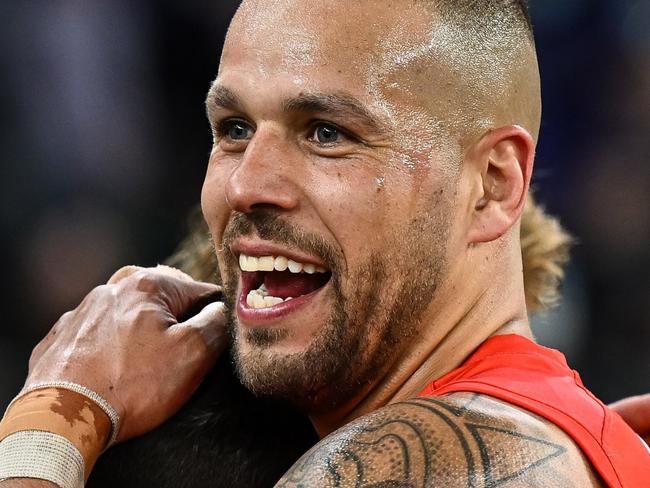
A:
(470, 65)
(320, 32)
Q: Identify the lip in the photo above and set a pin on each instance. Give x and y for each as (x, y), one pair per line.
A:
(264, 317)
(254, 248)
(267, 317)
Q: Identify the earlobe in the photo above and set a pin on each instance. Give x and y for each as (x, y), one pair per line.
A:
(504, 159)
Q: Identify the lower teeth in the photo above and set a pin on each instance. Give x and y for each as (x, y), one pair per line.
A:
(261, 299)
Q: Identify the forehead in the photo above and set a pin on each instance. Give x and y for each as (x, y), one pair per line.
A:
(351, 44)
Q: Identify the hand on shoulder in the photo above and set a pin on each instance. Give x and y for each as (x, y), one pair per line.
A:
(129, 342)
(636, 412)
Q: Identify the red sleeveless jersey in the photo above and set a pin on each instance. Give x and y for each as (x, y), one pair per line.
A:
(518, 371)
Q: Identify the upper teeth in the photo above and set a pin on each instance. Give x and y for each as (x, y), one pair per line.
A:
(276, 263)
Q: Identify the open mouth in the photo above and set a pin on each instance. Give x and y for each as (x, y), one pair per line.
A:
(269, 281)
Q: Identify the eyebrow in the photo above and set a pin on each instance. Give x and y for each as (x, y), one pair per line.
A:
(340, 104)
(220, 96)
(336, 104)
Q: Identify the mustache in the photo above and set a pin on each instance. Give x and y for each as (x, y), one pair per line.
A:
(270, 226)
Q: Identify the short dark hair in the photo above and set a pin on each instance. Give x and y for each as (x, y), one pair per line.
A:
(487, 13)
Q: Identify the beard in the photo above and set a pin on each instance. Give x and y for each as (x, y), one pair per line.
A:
(369, 325)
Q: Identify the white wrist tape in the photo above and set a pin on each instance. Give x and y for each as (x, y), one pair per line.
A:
(82, 390)
(41, 455)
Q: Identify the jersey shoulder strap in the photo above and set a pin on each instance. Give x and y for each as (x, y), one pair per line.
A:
(518, 371)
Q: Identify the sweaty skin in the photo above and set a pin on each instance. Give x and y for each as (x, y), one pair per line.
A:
(636, 412)
(365, 138)
(448, 206)
(460, 192)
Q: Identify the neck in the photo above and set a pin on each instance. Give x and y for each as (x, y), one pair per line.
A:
(450, 335)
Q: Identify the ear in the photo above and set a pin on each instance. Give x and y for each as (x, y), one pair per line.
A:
(503, 160)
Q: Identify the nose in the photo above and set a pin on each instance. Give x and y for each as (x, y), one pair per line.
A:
(265, 175)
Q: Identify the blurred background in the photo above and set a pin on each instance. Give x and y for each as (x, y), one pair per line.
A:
(103, 146)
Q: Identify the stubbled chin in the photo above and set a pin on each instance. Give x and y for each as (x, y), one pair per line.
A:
(271, 343)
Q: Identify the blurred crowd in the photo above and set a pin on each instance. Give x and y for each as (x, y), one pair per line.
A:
(103, 146)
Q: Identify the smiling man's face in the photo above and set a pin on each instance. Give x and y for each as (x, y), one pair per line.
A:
(330, 194)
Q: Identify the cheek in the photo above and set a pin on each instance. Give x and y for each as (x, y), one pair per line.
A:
(358, 205)
(213, 198)
(215, 210)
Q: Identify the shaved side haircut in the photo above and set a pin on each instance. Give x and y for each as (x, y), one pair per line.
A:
(489, 48)
(484, 12)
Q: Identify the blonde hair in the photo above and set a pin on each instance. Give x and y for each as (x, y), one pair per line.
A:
(545, 249)
(195, 254)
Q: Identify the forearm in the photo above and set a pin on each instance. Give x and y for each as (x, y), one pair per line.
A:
(52, 436)
(81, 372)
(26, 483)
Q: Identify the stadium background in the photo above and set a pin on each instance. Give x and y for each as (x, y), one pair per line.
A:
(103, 146)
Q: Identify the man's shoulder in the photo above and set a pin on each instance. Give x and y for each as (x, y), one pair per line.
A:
(461, 440)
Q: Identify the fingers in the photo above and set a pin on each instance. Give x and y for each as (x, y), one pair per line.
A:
(186, 298)
(194, 303)
(127, 271)
(179, 291)
(175, 273)
(210, 323)
(635, 411)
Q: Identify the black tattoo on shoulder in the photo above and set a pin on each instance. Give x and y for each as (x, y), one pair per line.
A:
(428, 442)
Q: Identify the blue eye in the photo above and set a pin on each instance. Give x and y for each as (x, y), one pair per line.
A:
(236, 130)
(327, 134)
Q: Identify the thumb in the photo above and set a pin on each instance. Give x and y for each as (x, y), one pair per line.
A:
(184, 298)
(210, 323)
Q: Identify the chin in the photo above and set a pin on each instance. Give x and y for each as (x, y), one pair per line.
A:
(272, 365)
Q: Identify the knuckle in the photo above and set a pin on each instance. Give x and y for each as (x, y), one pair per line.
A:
(173, 272)
(99, 291)
(122, 273)
(145, 281)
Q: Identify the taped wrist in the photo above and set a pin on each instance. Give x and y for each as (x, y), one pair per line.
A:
(41, 455)
(54, 434)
